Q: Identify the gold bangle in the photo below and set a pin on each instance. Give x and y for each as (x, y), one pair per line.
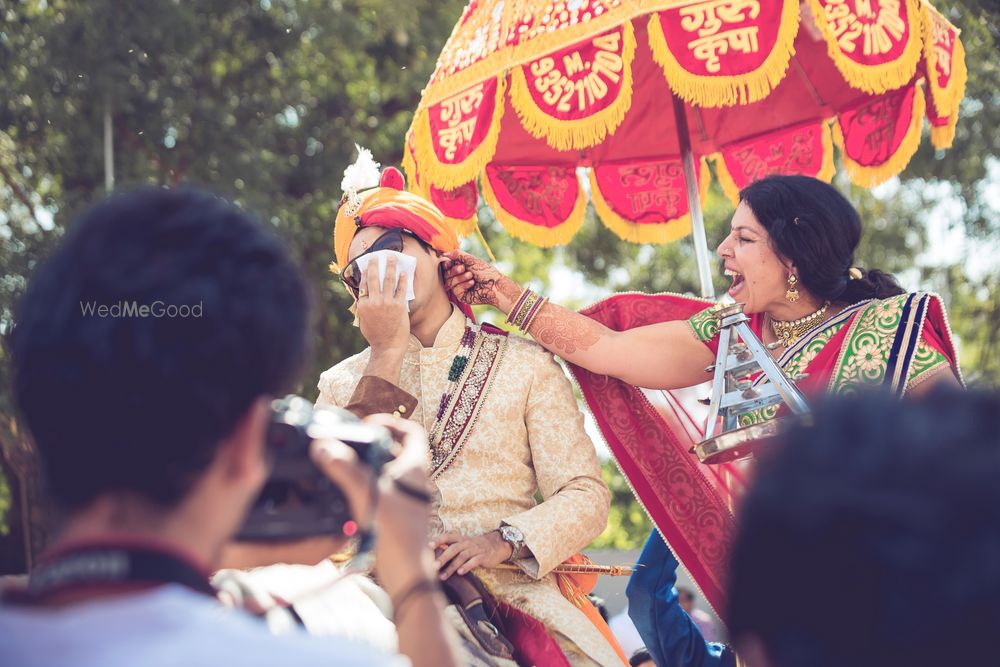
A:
(517, 305)
(533, 314)
(526, 310)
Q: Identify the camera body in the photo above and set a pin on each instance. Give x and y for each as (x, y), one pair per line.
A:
(298, 500)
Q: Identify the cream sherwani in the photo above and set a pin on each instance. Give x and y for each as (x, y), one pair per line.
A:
(529, 437)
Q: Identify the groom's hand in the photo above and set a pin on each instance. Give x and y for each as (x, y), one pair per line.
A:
(384, 320)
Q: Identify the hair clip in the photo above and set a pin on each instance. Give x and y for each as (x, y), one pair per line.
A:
(796, 220)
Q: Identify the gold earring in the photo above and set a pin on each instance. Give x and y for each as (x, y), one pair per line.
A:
(792, 293)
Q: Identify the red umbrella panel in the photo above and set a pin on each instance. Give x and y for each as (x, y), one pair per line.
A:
(537, 103)
(527, 92)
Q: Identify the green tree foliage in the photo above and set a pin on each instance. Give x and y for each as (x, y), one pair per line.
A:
(262, 100)
(628, 524)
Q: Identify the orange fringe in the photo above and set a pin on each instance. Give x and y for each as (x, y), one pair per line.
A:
(575, 588)
(946, 100)
(463, 226)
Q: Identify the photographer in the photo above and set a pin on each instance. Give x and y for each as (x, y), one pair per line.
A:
(151, 431)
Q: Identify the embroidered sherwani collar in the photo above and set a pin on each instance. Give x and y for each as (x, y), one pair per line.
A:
(448, 338)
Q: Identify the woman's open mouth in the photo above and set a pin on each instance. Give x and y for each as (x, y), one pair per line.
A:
(737, 282)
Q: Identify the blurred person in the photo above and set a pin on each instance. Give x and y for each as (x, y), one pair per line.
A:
(641, 658)
(895, 504)
(704, 622)
(624, 630)
(503, 421)
(146, 352)
(672, 637)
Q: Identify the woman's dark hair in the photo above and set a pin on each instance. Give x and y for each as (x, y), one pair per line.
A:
(814, 226)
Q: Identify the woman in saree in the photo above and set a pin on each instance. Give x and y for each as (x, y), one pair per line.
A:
(831, 326)
(790, 254)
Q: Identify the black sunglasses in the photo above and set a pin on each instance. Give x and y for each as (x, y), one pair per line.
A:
(352, 276)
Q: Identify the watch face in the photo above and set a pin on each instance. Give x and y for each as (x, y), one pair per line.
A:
(511, 534)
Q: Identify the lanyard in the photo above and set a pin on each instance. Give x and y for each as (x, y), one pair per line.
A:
(110, 566)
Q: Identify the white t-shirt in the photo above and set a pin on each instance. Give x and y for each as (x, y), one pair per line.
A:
(166, 626)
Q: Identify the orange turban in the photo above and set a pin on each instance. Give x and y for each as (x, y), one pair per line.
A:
(390, 206)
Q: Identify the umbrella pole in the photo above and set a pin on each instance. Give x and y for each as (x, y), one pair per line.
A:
(694, 202)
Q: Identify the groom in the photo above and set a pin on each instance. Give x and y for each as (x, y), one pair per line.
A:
(502, 419)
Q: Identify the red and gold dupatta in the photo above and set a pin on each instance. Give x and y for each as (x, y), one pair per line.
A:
(692, 503)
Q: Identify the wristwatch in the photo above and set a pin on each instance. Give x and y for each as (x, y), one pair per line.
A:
(515, 538)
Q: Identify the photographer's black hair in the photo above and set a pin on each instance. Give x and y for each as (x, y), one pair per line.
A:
(873, 538)
(140, 403)
(814, 226)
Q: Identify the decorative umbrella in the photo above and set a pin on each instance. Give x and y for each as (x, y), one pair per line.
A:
(634, 97)
(542, 101)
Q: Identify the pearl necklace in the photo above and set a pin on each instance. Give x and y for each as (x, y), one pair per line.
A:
(789, 332)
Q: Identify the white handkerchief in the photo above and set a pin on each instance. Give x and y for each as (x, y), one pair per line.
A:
(404, 264)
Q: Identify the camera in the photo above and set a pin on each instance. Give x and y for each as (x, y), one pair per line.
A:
(298, 500)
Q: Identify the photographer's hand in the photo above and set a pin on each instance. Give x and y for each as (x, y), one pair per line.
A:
(384, 320)
(403, 560)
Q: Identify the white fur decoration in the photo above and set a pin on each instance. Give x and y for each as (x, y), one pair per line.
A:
(364, 174)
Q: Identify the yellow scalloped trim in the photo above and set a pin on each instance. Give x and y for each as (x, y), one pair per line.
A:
(729, 187)
(876, 79)
(410, 167)
(946, 100)
(466, 227)
(451, 176)
(826, 172)
(663, 232)
(869, 177)
(942, 136)
(507, 58)
(724, 91)
(581, 133)
(463, 227)
(829, 168)
(543, 237)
